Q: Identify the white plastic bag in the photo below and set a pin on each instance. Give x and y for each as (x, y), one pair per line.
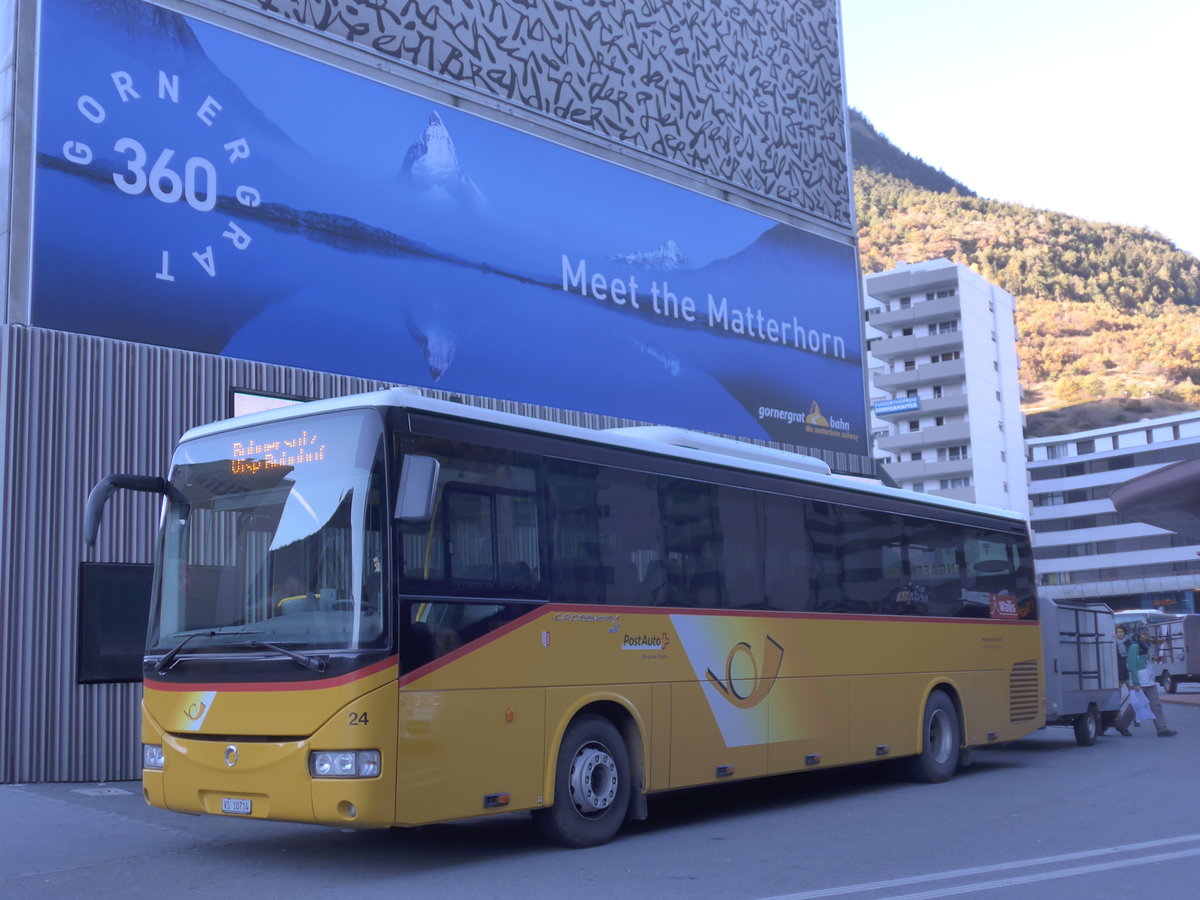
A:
(1141, 706)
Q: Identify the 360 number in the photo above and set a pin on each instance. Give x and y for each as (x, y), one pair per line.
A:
(197, 185)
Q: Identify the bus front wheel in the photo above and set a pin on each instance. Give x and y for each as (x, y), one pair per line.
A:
(940, 740)
(591, 785)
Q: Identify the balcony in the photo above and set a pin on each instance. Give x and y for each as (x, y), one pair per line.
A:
(929, 471)
(930, 406)
(900, 346)
(933, 436)
(920, 311)
(952, 372)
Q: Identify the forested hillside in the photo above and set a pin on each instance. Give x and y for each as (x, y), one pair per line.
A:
(1105, 312)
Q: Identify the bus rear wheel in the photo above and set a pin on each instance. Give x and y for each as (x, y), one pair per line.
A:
(591, 785)
(940, 740)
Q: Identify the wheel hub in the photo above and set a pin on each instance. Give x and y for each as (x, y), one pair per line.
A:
(593, 780)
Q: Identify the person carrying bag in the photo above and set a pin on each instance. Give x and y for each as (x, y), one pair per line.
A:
(1143, 691)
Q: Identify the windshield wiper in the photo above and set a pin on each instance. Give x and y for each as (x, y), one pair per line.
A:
(167, 660)
(316, 663)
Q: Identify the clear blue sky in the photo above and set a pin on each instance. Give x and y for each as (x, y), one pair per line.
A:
(1087, 107)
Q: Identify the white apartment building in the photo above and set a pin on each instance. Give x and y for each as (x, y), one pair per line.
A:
(1084, 549)
(940, 334)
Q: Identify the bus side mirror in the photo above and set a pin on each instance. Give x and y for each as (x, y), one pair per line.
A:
(418, 487)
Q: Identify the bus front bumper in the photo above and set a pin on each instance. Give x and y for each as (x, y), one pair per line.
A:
(253, 779)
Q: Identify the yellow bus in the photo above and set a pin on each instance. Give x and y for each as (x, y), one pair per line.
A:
(388, 610)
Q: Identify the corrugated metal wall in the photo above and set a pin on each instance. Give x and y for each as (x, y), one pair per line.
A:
(77, 408)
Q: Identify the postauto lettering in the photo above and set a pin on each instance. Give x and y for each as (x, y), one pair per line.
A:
(643, 641)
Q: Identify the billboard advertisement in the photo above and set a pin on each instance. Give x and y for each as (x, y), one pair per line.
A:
(199, 189)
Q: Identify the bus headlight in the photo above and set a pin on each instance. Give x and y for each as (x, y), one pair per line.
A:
(344, 763)
(152, 756)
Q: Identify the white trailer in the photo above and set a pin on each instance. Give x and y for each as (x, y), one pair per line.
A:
(1080, 661)
(1175, 657)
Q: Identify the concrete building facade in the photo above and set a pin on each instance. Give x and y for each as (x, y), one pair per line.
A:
(945, 383)
(1083, 549)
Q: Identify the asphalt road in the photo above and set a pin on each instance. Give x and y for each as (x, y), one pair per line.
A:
(1038, 818)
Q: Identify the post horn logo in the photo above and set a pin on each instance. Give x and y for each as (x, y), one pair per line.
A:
(231, 755)
(763, 680)
(195, 711)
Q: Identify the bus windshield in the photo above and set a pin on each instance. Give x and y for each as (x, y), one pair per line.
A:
(275, 535)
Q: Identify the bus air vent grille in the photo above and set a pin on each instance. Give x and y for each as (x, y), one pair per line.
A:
(1023, 691)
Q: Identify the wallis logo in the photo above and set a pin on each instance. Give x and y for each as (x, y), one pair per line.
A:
(762, 680)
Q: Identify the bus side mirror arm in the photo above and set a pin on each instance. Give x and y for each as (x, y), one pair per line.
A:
(150, 484)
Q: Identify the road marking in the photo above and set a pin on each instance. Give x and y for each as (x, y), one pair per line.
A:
(1009, 866)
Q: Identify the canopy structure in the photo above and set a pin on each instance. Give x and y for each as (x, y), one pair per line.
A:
(1168, 498)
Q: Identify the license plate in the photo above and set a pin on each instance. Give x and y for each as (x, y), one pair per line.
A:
(236, 805)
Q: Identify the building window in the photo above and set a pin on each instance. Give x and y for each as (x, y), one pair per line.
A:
(905, 302)
(1082, 447)
(937, 392)
(949, 454)
(906, 332)
(939, 421)
(914, 425)
(1053, 499)
(911, 392)
(918, 486)
(944, 327)
(1003, 456)
(916, 456)
(948, 356)
(947, 484)
(1056, 451)
(997, 395)
(909, 365)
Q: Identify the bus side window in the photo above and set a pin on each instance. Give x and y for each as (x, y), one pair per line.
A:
(787, 571)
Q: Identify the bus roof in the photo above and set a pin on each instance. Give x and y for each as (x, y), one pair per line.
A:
(668, 441)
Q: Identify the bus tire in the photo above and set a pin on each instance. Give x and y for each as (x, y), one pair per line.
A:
(940, 740)
(1087, 728)
(592, 781)
(1169, 682)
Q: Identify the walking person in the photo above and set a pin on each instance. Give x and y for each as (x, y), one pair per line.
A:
(1137, 662)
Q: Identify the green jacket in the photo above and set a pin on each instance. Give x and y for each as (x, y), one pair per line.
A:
(1137, 661)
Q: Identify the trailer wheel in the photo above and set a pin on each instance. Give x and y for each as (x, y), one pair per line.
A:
(940, 739)
(1170, 683)
(1087, 727)
(592, 782)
